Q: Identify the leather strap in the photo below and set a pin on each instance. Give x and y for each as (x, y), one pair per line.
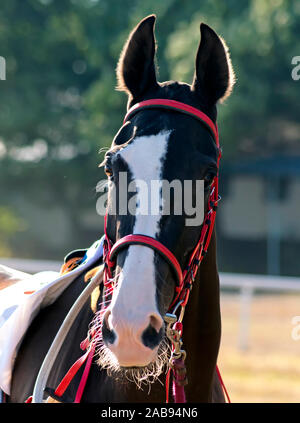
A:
(150, 242)
(177, 105)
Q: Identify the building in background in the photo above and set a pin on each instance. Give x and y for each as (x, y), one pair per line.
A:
(259, 218)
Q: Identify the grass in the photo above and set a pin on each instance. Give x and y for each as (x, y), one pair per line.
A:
(269, 369)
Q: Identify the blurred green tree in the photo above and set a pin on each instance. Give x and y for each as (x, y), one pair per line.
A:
(59, 105)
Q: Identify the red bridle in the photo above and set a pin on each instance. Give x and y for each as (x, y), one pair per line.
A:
(184, 278)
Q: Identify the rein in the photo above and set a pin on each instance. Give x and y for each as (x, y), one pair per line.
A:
(185, 278)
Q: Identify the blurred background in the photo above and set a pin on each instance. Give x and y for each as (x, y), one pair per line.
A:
(59, 107)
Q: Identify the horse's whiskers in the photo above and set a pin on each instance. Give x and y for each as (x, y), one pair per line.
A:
(140, 376)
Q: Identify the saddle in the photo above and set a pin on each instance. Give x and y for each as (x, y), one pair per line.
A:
(21, 301)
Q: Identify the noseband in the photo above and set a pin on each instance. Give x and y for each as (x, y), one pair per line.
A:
(186, 277)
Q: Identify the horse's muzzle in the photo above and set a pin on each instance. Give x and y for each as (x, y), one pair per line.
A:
(133, 344)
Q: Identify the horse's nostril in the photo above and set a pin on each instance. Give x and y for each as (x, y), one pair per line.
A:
(153, 334)
(108, 334)
(156, 322)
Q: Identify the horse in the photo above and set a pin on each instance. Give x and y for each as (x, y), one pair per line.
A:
(155, 143)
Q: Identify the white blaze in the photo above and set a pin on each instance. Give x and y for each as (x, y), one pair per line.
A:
(135, 298)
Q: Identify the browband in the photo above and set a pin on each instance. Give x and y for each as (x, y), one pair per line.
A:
(179, 107)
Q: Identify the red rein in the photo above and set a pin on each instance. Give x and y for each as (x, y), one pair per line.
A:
(184, 278)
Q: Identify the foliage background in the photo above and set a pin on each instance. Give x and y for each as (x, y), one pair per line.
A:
(59, 106)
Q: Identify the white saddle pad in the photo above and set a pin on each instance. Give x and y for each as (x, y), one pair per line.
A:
(20, 303)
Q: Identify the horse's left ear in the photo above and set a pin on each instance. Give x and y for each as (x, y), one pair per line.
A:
(214, 75)
(136, 67)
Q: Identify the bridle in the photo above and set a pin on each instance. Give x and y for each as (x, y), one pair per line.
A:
(185, 278)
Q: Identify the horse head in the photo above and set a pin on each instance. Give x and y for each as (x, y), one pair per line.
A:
(154, 146)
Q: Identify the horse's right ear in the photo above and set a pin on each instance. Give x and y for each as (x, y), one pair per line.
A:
(136, 68)
(214, 75)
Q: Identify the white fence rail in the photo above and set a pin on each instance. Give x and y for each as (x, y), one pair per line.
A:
(247, 285)
(31, 266)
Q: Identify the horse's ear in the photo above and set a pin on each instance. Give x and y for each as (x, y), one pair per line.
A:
(214, 75)
(136, 68)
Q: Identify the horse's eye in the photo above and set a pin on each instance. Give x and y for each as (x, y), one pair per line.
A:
(108, 171)
(208, 179)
